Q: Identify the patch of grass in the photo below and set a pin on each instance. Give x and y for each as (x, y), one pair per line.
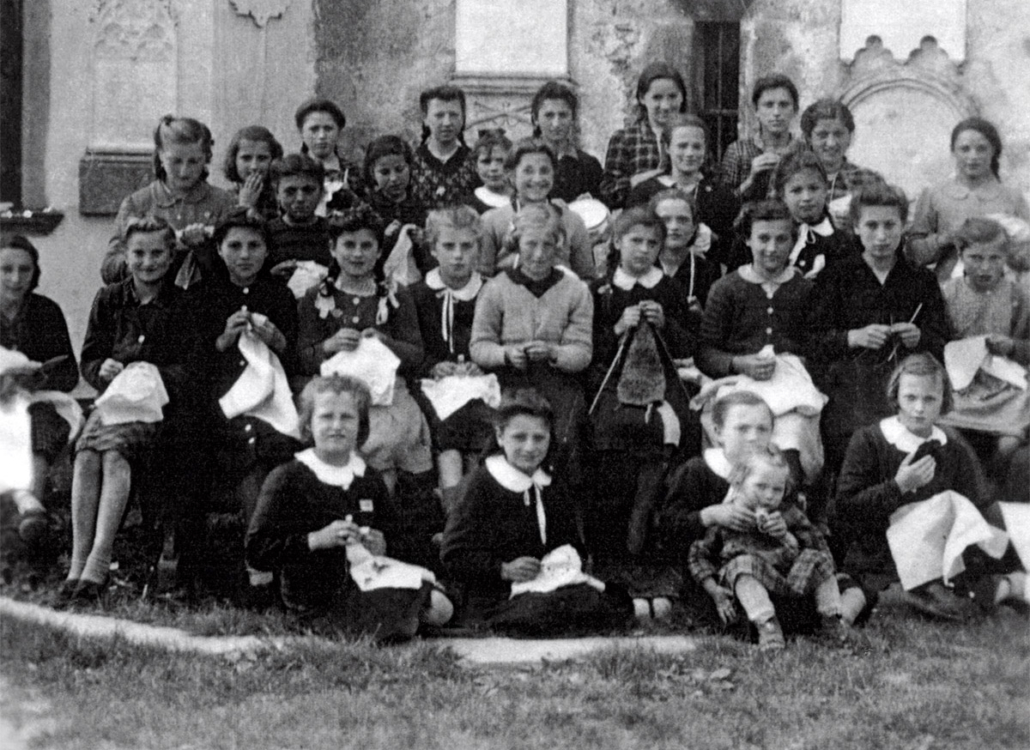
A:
(924, 685)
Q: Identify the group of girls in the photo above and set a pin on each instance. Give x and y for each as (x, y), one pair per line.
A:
(675, 414)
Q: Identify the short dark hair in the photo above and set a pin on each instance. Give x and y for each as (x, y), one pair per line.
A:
(240, 218)
(147, 225)
(632, 217)
(355, 219)
(987, 130)
(826, 109)
(723, 404)
(792, 164)
(523, 401)
(774, 81)
(444, 93)
(21, 242)
(296, 165)
(319, 104)
(385, 145)
(491, 139)
(525, 147)
(257, 133)
(336, 384)
(980, 229)
(922, 364)
(770, 209)
(878, 194)
(673, 194)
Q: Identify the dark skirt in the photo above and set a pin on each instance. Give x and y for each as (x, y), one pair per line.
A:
(50, 431)
(857, 390)
(389, 615)
(568, 611)
(468, 430)
(132, 439)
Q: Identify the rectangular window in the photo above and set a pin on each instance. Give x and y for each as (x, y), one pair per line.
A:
(11, 52)
(717, 77)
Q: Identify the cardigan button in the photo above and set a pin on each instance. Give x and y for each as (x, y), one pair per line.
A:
(770, 311)
(769, 331)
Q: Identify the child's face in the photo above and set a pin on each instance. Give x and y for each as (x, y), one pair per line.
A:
(320, 133)
(334, 426)
(357, 252)
(538, 250)
(183, 164)
(457, 252)
(555, 120)
(687, 149)
(148, 257)
(253, 157)
(775, 109)
(662, 100)
(243, 251)
(805, 196)
(444, 120)
(745, 429)
(638, 249)
(879, 230)
(830, 140)
(525, 440)
(392, 173)
(298, 196)
(973, 154)
(920, 398)
(770, 243)
(764, 487)
(490, 166)
(985, 264)
(533, 178)
(679, 222)
(16, 269)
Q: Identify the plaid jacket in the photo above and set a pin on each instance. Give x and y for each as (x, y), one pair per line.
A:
(630, 151)
(736, 166)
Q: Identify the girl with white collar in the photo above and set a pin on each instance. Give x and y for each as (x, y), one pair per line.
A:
(641, 416)
(315, 512)
(902, 461)
(512, 515)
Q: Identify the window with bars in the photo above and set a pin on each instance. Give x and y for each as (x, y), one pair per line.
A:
(717, 79)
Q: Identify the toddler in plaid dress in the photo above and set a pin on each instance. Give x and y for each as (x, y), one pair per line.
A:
(783, 555)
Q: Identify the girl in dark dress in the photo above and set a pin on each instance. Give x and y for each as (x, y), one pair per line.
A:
(320, 516)
(388, 163)
(319, 122)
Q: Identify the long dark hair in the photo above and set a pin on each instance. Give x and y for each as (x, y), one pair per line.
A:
(987, 130)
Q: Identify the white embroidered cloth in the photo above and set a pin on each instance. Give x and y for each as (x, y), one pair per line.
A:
(372, 363)
(306, 275)
(965, 357)
(371, 572)
(137, 394)
(261, 390)
(450, 393)
(560, 567)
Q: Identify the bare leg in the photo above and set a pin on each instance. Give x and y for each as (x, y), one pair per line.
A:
(827, 598)
(439, 611)
(754, 599)
(448, 465)
(114, 496)
(86, 480)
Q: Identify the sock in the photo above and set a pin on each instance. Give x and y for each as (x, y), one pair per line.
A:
(641, 609)
(852, 602)
(827, 598)
(754, 599)
(259, 577)
(1012, 586)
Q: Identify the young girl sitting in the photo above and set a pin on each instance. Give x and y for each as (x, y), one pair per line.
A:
(530, 166)
(753, 326)
(990, 314)
(514, 513)
(142, 319)
(443, 171)
(300, 237)
(491, 152)
(388, 161)
(181, 196)
(684, 255)
(351, 306)
(533, 326)
(320, 509)
(685, 143)
(445, 302)
(641, 416)
(247, 160)
(320, 122)
(782, 554)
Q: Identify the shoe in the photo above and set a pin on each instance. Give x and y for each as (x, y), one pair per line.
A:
(770, 635)
(89, 593)
(935, 600)
(833, 630)
(64, 594)
(32, 526)
(258, 598)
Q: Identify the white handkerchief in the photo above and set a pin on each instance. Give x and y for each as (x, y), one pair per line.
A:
(137, 394)
(927, 538)
(1017, 525)
(15, 444)
(789, 389)
(373, 572)
(965, 357)
(560, 567)
(372, 363)
(449, 394)
(262, 390)
(306, 274)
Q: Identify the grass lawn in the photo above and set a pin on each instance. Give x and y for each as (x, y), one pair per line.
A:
(925, 686)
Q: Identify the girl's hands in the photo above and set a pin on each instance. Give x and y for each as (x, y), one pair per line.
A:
(336, 534)
(374, 541)
(344, 340)
(728, 517)
(515, 355)
(251, 188)
(630, 318)
(235, 324)
(754, 366)
(871, 337)
(909, 334)
(392, 229)
(109, 369)
(653, 313)
(723, 599)
(266, 330)
(912, 475)
(520, 569)
(763, 163)
(1000, 345)
(772, 523)
(539, 351)
(194, 234)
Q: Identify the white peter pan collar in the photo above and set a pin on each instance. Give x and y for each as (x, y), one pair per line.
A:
(466, 293)
(511, 478)
(626, 282)
(715, 459)
(899, 436)
(337, 476)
